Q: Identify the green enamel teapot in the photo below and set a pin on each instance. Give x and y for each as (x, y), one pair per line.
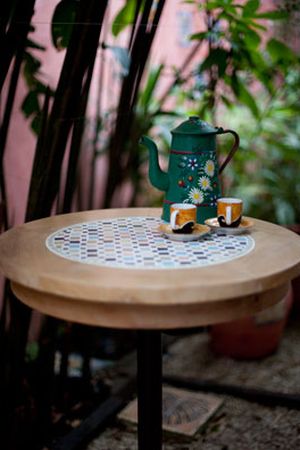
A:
(193, 173)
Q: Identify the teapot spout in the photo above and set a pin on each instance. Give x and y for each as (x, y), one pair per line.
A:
(158, 177)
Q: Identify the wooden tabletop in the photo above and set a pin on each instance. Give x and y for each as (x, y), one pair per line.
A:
(140, 298)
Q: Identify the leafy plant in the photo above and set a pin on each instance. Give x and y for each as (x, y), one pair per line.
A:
(239, 62)
(32, 103)
(250, 77)
(265, 170)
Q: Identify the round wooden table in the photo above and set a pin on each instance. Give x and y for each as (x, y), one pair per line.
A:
(112, 268)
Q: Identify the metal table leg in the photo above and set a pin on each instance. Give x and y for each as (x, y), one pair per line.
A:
(149, 387)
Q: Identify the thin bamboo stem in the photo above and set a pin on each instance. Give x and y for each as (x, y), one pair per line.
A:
(98, 123)
(79, 55)
(15, 37)
(135, 22)
(140, 50)
(39, 154)
(77, 134)
(132, 161)
(4, 130)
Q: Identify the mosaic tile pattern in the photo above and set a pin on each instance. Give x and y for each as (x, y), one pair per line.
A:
(134, 242)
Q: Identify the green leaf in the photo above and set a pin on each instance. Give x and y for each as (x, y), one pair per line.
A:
(225, 5)
(243, 22)
(31, 44)
(30, 104)
(42, 88)
(160, 112)
(30, 69)
(213, 34)
(227, 102)
(32, 351)
(211, 5)
(250, 7)
(124, 17)
(200, 36)
(216, 57)
(32, 64)
(36, 124)
(258, 26)
(244, 95)
(272, 15)
(279, 51)
(62, 23)
(151, 84)
(252, 39)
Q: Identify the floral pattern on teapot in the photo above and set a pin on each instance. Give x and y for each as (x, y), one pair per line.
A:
(198, 179)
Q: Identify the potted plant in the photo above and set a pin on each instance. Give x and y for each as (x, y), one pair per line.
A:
(265, 175)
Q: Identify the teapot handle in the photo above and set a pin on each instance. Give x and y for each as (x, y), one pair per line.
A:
(233, 148)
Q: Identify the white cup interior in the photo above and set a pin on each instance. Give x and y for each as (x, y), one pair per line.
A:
(231, 200)
(183, 206)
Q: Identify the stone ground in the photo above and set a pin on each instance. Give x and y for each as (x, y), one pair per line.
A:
(238, 424)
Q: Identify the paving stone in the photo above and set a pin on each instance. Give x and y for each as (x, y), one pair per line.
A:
(238, 424)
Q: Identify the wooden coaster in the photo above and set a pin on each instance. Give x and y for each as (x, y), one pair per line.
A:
(184, 412)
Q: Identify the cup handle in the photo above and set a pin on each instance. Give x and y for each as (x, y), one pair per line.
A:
(228, 215)
(233, 148)
(173, 219)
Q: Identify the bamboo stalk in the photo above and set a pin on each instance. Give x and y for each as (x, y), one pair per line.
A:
(49, 155)
(78, 129)
(39, 155)
(78, 57)
(97, 127)
(140, 50)
(15, 37)
(4, 130)
(51, 145)
(144, 57)
(135, 21)
(5, 14)
(115, 175)
(150, 36)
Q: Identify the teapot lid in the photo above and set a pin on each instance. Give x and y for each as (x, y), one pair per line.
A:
(194, 125)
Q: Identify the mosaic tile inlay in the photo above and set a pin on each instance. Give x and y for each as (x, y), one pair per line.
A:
(134, 242)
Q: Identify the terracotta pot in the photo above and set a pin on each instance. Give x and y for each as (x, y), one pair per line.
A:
(296, 282)
(252, 337)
